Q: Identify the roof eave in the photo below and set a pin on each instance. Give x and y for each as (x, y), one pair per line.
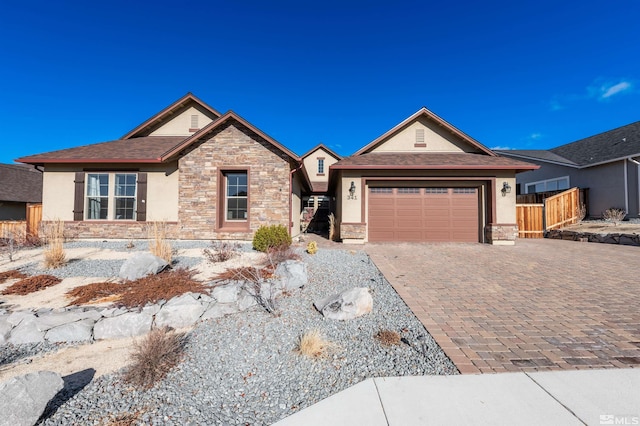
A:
(88, 160)
(528, 157)
(324, 147)
(436, 167)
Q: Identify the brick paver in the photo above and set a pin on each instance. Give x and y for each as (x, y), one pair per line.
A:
(539, 305)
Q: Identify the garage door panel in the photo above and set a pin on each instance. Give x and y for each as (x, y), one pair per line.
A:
(427, 214)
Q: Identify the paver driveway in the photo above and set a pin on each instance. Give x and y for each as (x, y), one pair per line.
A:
(538, 305)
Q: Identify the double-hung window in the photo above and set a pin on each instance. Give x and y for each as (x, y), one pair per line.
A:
(236, 196)
(320, 166)
(111, 196)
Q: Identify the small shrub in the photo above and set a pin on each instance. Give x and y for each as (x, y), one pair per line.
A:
(221, 251)
(279, 254)
(256, 282)
(312, 344)
(12, 274)
(333, 234)
(614, 215)
(581, 212)
(54, 255)
(159, 246)
(267, 237)
(31, 284)
(388, 337)
(312, 247)
(154, 357)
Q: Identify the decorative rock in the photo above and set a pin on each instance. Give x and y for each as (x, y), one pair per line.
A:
(23, 399)
(79, 331)
(227, 293)
(26, 332)
(126, 325)
(55, 319)
(217, 310)
(181, 311)
(16, 317)
(292, 274)
(5, 330)
(151, 309)
(113, 312)
(245, 300)
(90, 314)
(346, 305)
(140, 265)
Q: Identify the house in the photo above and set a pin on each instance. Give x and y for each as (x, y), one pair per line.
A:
(205, 174)
(209, 175)
(608, 164)
(425, 180)
(19, 186)
(317, 204)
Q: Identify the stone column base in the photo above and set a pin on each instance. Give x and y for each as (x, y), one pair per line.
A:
(501, 233)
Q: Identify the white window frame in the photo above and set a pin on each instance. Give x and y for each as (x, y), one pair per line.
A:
(110, 197)
(546, 184)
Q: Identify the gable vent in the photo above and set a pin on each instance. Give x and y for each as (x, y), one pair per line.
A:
(194, 123)
(420, 143)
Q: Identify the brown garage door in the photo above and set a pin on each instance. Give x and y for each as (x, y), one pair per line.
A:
(423, 214)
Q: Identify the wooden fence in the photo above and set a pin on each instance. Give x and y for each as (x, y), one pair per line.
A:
(23, 228)
(556, 211)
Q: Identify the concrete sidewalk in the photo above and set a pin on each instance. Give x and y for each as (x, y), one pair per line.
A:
(592, 397)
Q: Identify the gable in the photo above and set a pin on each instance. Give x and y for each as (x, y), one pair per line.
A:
(423, 135)
(185, 123)
(310, 161)
(425, 132)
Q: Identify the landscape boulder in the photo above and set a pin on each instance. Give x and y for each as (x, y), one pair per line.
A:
(292, 274)
(181, 311)
(79, 331)
(346, 305)
(26, 331)
(23, 399)
(125, 325)
(227, 293)
(5, 330)
(140, 265)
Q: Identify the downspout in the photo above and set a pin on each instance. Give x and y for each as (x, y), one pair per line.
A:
(637, 163)
(626, 189)
(291, 197)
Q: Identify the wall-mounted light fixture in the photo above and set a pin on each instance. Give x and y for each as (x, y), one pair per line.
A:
(506, 189)
(352, 191)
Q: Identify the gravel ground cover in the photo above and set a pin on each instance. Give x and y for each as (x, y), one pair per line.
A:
(242, 368)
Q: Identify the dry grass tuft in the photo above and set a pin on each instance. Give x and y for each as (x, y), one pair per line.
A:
(244, 273)
(31, 284)
(54, 255)
(159, 246)
(312, 344)
(154, 357)
(279, 254)
(12, 274)
(388, 337)
(333, 235)
(94, 292)
(614, 215)
(581, 212)
(221, 251)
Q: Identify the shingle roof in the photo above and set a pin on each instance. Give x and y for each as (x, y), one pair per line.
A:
(20, 183)
(536, 154)
(147, 149)
(426, 161)
(613, 145)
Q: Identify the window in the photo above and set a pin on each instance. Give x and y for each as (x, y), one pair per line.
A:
(408, 190)
(111, 196)
(464, 190)
(381, 190)
(308, 202)
(558, 184)
(236, 196)
(436, 190)
(320, 166)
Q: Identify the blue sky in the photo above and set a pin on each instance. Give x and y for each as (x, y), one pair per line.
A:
(524, 75)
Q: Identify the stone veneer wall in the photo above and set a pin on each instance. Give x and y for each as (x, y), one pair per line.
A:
(353, 231)
(232, 146)
(501, 232)
(116, 230)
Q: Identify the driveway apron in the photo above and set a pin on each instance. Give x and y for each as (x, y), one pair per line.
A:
(539, 305)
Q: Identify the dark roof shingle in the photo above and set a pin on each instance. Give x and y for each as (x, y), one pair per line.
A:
(427, 161)
(20, 183)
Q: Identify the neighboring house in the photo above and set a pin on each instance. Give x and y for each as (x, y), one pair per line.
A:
(215, 176)
(207, 175)
(425, 180)
(19, 186)
(608, 164)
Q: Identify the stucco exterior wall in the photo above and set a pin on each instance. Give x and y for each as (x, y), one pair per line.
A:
(436, 139)
(232, 147)
(505, 205)
(311, 165)
(162, 193)
(180, 124)
(58, 193)
(296, 204)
